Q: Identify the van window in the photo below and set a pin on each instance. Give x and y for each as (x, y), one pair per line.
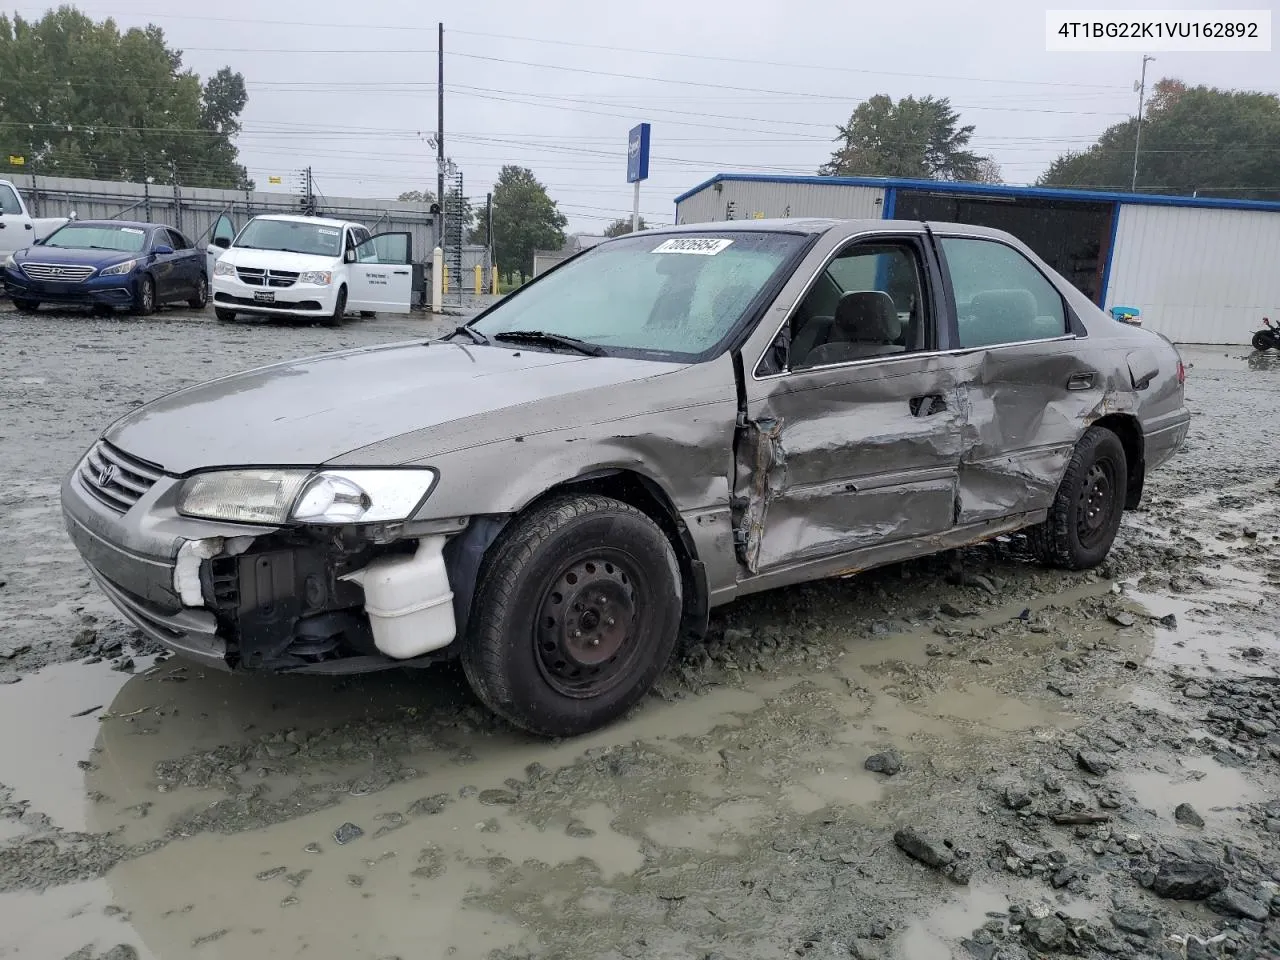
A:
(9, 203)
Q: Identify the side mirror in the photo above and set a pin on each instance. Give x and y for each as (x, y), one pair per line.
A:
(349, 256)
(37, 242)
(162, 249)
(223, 242)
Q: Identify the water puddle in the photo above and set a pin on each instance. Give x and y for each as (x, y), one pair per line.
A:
(931, 936)
(1213, 789)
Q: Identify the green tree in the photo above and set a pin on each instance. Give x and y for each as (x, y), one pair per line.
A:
(623, 226)
(1194, 139)
(910, 138)
(525, 219)
(80, 98)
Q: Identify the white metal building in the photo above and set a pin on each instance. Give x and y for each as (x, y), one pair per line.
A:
(1201, 270)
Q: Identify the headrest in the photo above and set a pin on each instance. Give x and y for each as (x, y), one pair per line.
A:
(867, 316)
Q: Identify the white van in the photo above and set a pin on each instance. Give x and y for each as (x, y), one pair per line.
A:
(296, 266)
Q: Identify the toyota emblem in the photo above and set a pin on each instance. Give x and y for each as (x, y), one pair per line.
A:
(106, 474)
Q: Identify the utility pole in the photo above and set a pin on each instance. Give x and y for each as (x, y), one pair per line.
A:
(488, 228)
(1137, 137)
(440, 124)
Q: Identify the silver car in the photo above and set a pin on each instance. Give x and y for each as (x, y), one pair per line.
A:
(558, 492)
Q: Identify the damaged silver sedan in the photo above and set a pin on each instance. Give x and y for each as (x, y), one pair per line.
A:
(558, 492)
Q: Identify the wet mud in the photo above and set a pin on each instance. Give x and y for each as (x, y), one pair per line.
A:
(966, 756)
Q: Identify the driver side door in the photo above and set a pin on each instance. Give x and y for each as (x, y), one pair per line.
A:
(220, 237)
(380, 274)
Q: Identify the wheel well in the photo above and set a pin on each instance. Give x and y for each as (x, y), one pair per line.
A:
(1129, 430)
(648, 497)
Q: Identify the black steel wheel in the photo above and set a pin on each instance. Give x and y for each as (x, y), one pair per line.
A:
(1085, 515)
(27, 306)
(201, 297)
(576, 614)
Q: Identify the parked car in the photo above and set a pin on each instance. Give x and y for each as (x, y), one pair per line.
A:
(294, 266)
(559, 491)
(18, 229)
(107, 264)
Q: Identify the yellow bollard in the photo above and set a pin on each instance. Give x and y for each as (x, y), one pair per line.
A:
(493, 279)
(479, 279)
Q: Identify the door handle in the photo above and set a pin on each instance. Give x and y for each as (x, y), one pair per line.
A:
(1080, 381)
(928, 405)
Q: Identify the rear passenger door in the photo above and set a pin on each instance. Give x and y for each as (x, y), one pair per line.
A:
(854, 423)
(1028, 390)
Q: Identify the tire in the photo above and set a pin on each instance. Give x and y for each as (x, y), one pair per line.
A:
(339, 310)
(528, 662)
(201, 299)
(1261, 341)
(144, 302)
(226, 316)
(27, 306)
(1085, 515)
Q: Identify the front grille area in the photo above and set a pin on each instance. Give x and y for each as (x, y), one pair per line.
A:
(280, 305)
(115, 478)
(66, 272)
(266, 278)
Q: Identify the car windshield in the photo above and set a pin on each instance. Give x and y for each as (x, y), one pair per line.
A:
(321, 239)
(677, 295)
(89, 236)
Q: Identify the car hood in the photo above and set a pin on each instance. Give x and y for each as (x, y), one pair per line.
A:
(306, 412)
(279, 260)
(74, 255)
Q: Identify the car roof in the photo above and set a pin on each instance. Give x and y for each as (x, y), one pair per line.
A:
(811, 225)
(135, 224)
(295, 218)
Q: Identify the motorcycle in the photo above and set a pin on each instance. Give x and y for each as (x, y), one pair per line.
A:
(1268, 338)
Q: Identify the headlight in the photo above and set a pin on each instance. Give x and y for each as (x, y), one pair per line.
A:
(276, 497)
(10, 262)
(223, 269)
(322, 277)
(118, 269)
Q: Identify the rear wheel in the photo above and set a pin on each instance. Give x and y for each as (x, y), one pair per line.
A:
(201, 297)
(575, 617)
(226, 316)
(339, 310)
(368, 314)
(27, 306)
(1261, 341)
(1085, 516)
(144, 301)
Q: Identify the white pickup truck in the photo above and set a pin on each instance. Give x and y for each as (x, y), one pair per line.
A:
(17, 229)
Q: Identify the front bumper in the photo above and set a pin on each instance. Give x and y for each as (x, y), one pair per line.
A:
(298, 300)
(95, 291)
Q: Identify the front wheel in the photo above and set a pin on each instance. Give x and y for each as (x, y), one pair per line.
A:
(201, 297)
(144, 301)
(339, 310)
(1085, 516)
(27, 306)
(226, 316)
(1262, 340)
(575, 616)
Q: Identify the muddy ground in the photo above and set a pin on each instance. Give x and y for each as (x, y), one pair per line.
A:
(967, 756)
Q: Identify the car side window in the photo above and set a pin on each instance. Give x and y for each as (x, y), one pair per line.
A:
(9, 200)
(178, 241)
(868, 303)
(1001, 297)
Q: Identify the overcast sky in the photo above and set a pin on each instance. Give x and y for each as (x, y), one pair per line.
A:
(751, 86)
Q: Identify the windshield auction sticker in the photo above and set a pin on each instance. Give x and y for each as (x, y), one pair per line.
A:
(704, 246)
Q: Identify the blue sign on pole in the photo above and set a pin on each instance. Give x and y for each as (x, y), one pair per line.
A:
(638, 154)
